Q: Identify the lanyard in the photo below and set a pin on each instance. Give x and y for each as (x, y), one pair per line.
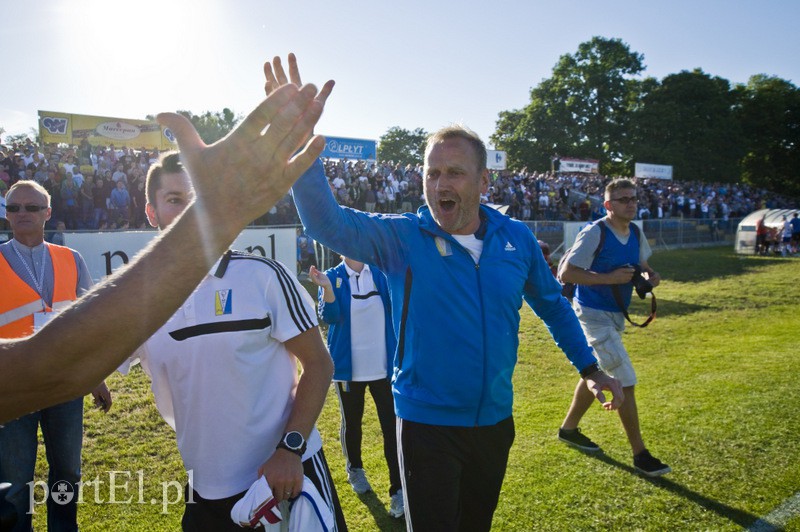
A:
(38, 283)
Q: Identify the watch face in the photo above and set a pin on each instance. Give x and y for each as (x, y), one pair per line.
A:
(294, 440)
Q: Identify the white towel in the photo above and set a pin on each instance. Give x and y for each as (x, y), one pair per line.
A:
(307, 512)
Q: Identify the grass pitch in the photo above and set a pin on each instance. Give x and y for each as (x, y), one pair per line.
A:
(718, 401)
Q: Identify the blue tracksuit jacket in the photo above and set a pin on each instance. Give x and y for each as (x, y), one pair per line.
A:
(457, 322)
(337, 316)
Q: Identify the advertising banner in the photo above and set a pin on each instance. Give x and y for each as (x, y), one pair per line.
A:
(658, 171)
(344, 148)
(587, 166)
(104, 253)
(66, 128)
(495, 160)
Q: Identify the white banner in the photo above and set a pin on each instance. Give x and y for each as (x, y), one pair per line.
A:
(495, 160)
(588, 166)
(658, 171)
(105, 252)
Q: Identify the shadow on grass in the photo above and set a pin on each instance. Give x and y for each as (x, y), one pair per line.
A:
(639, 310)
(687, 265)
(379, 513)
(740, 517)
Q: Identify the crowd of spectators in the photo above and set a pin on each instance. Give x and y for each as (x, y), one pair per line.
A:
(389, 188)
(90, 187)
(104, 188)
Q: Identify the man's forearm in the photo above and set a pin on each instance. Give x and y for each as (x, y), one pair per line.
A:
(574, 274)
(58, 363)
(314, 382)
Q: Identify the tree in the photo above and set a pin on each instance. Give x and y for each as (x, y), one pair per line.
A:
(213, 126)
(402, 146)
(768, 112)
(687, 121)
(582, 110)
(20, 138)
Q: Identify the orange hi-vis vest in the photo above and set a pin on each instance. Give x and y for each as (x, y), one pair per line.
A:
(19, 302)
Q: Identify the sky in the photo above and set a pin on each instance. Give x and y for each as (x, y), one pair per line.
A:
(410, 63)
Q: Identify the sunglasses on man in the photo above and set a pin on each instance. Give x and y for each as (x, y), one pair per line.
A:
(28, 208)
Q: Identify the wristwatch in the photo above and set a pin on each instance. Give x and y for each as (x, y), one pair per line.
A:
(588, 370)
(294, 442)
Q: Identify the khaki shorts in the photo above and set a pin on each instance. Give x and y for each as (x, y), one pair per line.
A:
(603, 330)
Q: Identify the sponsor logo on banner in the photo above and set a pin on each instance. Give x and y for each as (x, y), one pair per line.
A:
(118, 130)
(495, 160)
(55, 125)
(344, 148)
(588, 166)
(658, 171)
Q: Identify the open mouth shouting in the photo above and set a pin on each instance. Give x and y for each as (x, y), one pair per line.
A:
(447, 205)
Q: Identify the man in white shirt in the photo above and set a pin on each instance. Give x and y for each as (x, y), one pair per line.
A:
(224, 375)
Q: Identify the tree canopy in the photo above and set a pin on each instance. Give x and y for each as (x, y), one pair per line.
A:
(596, 105)
(212, 126)
(769, 113)
(583, 110)
(402, 146)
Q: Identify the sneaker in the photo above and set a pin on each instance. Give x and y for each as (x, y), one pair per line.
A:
(358, 480)
(578, 440)
(396, 507)
(649, 465)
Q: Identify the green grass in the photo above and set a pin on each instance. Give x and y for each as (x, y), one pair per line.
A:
(718, 400)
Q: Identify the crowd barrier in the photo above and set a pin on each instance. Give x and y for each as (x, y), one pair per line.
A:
(664, 234)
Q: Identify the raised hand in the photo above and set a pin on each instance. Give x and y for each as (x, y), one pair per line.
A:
(241, 176)
(276, 77)
(318, 278)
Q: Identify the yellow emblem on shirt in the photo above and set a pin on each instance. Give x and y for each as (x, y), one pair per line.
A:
(443, 246)
(223, 302)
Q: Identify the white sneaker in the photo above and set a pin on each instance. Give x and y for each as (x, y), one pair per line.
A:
(358, 480)
(396, 507)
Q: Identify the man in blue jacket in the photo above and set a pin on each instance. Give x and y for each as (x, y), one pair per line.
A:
(354, 302)
(457, 273)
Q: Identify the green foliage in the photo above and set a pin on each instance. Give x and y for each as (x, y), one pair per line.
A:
(717, 400)
(402, 146)
(212, 126)
(19, 138)
(594, 106)
(769, 114)
(583, 110)
(687, 121)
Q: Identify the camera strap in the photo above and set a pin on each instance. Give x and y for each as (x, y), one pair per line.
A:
(618, 298)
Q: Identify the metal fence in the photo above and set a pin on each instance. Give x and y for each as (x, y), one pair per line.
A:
(668, 233)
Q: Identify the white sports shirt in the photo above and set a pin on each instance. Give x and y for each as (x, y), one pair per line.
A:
(221, 375)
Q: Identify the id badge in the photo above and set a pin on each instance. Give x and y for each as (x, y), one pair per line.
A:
(40, 319)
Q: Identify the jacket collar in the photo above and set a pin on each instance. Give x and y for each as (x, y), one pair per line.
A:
(490, 221)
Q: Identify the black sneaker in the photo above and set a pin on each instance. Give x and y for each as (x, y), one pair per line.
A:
(649, 465)
(578, 440)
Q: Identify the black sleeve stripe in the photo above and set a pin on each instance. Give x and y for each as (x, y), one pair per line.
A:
(401, 338)
(366, 296)
(294, 302)
(220, 327)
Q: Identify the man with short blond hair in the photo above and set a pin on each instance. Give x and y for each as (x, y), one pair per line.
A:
(241, 332)
(458, 272)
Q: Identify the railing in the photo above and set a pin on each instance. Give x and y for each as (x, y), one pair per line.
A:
(668, 233)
